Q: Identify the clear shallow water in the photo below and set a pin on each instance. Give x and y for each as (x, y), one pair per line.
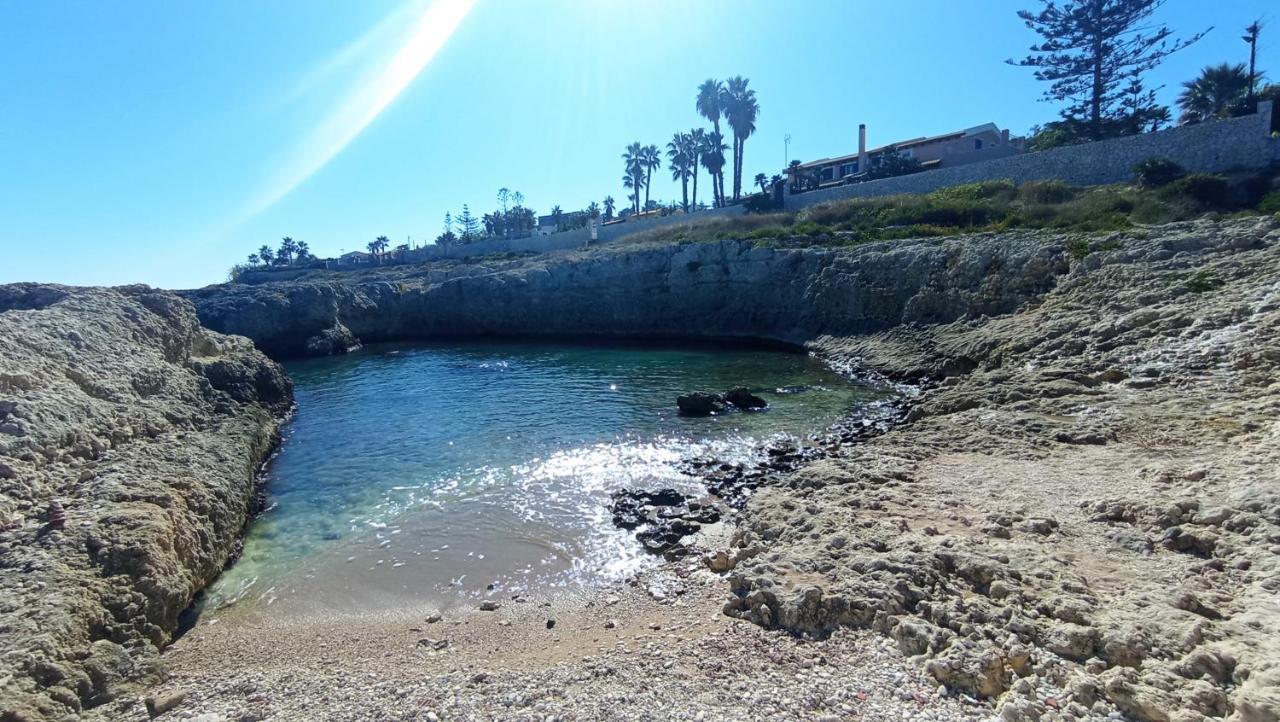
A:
(424, 473)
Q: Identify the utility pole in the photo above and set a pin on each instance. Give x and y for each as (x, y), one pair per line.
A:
(1251, 37)
(786, 150)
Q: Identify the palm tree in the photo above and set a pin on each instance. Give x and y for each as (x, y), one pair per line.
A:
(378, 245)
(713, 161)
(709, 106)
(762, 180)
(632, 182)
(609, 205)
(740, 108)
(253, 259)
(303, 251)
(284, 256)
(652, 162)
(1219, 92)
(556, 216)
(593, 210)
(679, 154)
(266, 255)
(697, 144)
(634, 162)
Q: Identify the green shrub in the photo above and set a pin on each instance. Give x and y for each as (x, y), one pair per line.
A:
(975, 191)
(768, 232)
(809, 228)
(855, 212)
(1078, 248)
(1270, 203)
(1206, 190)
(922, 230)
(1151, 211)
(759, 203)
(1156, 172)
(1203, 281)
(1051, 191)
(956, 213)
(1251, 189)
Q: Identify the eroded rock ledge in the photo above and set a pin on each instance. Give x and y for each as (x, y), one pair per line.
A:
(149, 431)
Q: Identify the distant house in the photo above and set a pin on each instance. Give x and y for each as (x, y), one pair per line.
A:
(547, 224)
(355, 258)
(981, 142)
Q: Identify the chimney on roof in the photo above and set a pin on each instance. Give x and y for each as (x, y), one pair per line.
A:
(1004, 135)
(862, 147)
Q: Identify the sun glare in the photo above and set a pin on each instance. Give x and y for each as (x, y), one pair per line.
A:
(364, 102)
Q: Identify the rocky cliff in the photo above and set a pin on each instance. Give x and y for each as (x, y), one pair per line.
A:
(719, 289)
(130, 441)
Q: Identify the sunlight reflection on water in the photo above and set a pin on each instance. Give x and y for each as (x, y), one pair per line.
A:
(428, 473)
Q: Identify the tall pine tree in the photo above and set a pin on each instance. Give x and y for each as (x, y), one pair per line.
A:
(1093, 54)
(468, 225)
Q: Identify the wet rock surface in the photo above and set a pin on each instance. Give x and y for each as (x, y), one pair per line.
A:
(130, 440)
(667, 520)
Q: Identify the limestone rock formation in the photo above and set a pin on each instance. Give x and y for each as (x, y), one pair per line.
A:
(130, 441)
(722, 289)
(1088, 501)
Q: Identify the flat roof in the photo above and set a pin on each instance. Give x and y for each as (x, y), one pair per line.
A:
(906, 144)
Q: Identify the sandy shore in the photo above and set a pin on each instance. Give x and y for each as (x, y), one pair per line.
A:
(657, 649)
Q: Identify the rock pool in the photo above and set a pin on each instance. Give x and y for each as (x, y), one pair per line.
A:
(425, 473)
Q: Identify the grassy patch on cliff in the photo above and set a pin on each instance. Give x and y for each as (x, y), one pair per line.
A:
(997, 205)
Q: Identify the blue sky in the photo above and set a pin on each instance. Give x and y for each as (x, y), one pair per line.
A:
(159, 142)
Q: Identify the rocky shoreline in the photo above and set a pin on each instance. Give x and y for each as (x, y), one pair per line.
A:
(130, 442)
(1084, 522)
(1078, 517)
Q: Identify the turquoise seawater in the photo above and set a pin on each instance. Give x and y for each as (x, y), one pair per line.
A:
(416, 473)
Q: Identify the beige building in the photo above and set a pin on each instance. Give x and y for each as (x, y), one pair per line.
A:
(982, 142)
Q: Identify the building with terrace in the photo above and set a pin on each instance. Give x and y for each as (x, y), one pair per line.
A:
(970, 145)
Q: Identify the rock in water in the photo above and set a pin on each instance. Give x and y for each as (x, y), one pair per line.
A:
(700, 403)
(633, 507)
(744, 399)
(337, 339)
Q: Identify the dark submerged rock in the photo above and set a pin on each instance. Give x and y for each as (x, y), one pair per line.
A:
(700, 403)
(742, 398)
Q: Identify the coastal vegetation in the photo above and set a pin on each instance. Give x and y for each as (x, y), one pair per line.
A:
(1163, 193)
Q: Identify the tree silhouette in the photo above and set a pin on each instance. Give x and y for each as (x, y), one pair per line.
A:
(1090, 50)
